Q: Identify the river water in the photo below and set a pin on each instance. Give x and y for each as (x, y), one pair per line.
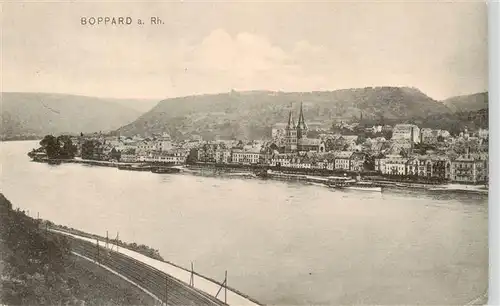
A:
(281, 243)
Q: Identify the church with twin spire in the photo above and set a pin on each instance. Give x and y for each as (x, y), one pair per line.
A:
(296, 135)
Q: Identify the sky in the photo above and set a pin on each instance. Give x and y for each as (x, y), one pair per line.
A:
(209, 47)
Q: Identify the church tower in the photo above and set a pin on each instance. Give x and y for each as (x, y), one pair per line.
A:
(301, 125)
(290, 134)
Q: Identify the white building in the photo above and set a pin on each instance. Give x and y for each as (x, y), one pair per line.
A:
(376, 129)
(283, 160)
(483, 133)
(406, 132)
(146, 146)
(128, 158)
(174, 156)
(395, 165)
(164, 143)
(342, 160)
(223, 156)
(245, 157)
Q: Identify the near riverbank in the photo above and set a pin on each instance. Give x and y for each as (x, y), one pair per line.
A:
(81, 281)
(38, 268)
(154, 254)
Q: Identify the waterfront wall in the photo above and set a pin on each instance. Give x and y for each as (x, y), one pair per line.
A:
(213, 168)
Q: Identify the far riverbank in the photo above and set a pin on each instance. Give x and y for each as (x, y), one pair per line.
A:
(304, 175)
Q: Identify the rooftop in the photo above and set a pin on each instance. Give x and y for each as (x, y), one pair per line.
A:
(343, 154)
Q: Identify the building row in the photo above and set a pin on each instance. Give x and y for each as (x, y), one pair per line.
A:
(467, 168)
(341, 160)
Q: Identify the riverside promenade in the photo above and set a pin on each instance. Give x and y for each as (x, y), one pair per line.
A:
(292, 174)
(165, 282)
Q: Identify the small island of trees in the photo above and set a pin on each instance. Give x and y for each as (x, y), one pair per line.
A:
(52, 147)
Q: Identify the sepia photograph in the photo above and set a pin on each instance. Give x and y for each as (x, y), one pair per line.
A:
(285, 153)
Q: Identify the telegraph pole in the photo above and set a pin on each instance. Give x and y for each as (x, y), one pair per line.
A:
(191, 281)
(166, 290)
(98, 262)
(225, 288)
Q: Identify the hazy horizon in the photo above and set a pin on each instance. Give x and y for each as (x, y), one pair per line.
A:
(217, 93)
(206, 48)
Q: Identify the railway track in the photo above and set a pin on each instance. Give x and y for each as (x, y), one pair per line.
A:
(167, 288)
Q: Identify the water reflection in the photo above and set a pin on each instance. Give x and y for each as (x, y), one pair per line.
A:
(282, 242)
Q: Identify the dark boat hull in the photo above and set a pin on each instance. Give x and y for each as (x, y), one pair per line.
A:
(165, 170)
(139, 169)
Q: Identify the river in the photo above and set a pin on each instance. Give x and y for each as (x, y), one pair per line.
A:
(282, 243)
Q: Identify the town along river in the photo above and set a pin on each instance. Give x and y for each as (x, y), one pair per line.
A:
(282, 243)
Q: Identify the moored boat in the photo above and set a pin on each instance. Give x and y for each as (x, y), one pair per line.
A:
(165, 170)
(339, 181)
(364, 187)
(262, 174)
(140, 168)
(124, 167)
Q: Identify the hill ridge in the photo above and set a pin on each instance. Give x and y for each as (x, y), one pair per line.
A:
(53, 113)
(469, 102)
(250, 114)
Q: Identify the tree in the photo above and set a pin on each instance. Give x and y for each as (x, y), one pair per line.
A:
(88, 149)
(60, 147)
(369, 163)
(329, 145)
(361, 139)
(440, 138)
(193, 156)
(51, 146)
(387, 134)
(66, 148)
(274, 147)
(115, 154)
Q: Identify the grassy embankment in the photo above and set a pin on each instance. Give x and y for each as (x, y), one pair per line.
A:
(139, 248)
(37, 268)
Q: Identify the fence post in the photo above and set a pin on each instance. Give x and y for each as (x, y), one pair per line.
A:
(166, 290)
(97, 239)
(225, 288)
(191, 281)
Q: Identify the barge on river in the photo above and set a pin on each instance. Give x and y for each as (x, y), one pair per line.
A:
(161, 170)
(365, 186)
(135, 167)
(352, 184)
